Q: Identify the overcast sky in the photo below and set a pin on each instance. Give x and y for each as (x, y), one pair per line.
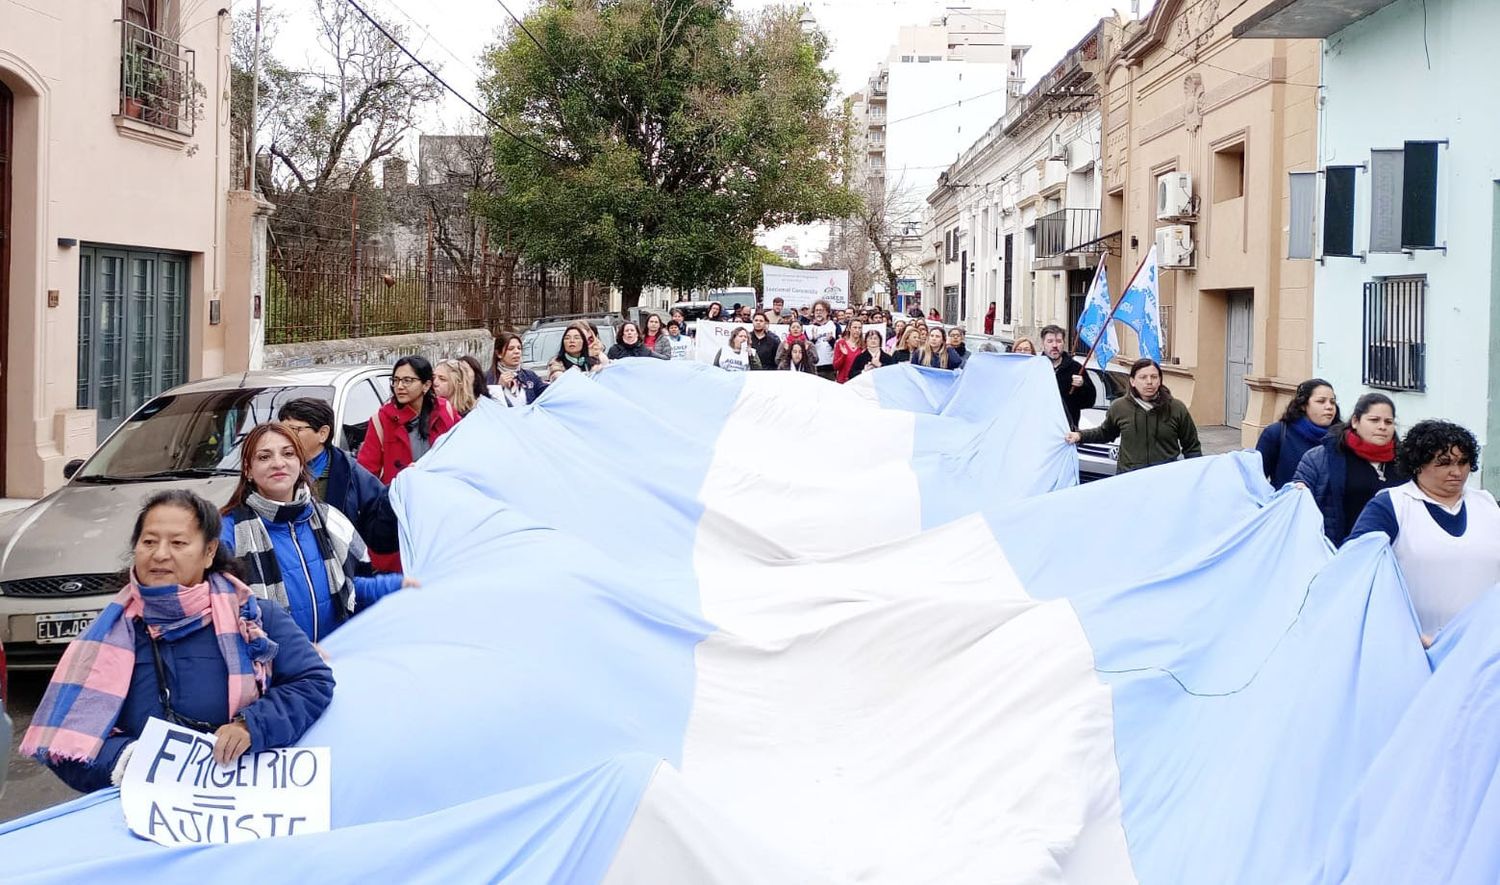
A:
(453, 33)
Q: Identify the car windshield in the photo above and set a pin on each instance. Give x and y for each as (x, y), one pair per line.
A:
(190, 434)
(1114, 385)
(543, 344)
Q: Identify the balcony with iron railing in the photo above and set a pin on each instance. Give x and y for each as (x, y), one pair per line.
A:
(158, 82)
(1065, 233)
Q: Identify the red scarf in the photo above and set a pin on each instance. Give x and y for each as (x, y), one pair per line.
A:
(1369, 451)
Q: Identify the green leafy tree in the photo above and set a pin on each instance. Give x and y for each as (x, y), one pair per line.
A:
(656, 136)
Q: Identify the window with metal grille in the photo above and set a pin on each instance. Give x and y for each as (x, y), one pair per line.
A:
(1395, 336)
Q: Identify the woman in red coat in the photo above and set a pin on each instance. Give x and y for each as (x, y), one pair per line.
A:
(407, 426)
(847, 349)
(403, 430)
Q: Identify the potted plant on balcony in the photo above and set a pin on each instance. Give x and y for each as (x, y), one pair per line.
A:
(133, 75)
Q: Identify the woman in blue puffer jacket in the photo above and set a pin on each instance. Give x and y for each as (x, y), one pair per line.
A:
(186, 641)
(1313, 410)
(295, 549)
(1352, 464)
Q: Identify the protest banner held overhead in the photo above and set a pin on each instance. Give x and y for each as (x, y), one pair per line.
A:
(799, 288)
(174, 793)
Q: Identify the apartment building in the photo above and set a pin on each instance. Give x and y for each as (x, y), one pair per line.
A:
(1015, 220)
(1398, 215)
(1200, 133)
(114, 165)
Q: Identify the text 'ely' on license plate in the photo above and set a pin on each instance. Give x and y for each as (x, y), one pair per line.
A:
(62, 626)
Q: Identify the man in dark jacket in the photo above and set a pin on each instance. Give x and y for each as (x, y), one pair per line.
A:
(1073, 383)
(338, 479)
(763, 341)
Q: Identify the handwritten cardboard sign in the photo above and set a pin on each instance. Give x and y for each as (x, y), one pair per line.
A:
(174, 793)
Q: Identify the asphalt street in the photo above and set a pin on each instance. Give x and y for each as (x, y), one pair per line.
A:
(28, 786)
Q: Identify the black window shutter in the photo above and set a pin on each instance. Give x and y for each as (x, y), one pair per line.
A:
(1338, 211)
(1419, 195)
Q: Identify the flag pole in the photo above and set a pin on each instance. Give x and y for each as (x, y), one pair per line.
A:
(1104, 330)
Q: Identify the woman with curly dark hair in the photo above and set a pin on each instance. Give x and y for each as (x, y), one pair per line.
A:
(1308, 416)
(797, 357)
(1445, 534)
(1353, 462)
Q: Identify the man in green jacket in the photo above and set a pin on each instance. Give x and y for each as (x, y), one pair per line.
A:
(1152, 426)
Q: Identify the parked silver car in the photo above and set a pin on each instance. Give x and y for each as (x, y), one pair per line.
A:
(541, 342)
(4, 720)
(61, 558)
(1097, 460)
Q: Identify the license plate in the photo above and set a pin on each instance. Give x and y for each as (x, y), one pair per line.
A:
(62, 626)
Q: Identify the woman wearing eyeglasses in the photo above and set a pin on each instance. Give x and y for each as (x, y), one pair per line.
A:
(580, 349)
(184, 641)
(407, 426)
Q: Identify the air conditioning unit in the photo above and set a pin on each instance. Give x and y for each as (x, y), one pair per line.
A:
(1057, 147)
(1174, 246)
(1174, 196)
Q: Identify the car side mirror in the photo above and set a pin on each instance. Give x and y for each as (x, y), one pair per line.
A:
(72, 467)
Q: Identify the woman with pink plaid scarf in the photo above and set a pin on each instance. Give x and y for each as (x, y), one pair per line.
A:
(185, 641)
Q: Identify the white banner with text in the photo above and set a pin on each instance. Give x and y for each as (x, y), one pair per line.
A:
(174, 793)
(803, 287)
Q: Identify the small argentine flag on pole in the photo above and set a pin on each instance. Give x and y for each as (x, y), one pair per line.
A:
(1140, 307)
(1094, 326)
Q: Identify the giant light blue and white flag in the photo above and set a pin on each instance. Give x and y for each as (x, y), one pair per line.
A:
(1095, 330)
(1140, 307)
(672, 637)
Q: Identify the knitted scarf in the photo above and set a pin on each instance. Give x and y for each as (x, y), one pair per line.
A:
(339, 545)
(1307, 431)
(1369, 451)
(83, 700)
(1163, 396)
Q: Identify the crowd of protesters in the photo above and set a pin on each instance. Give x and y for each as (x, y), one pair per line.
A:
(240, 596)
(817, 339)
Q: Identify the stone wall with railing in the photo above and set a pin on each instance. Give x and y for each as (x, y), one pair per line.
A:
(382, 350)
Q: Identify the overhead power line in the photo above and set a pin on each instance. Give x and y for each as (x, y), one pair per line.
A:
(419, 26)
(527, 31)
(444, 83)
(944, 107)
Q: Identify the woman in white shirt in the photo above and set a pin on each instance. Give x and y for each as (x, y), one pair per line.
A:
(737, 355)
(1445, 534)
(508, 382)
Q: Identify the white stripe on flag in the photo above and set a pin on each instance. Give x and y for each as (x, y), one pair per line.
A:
(880, 705)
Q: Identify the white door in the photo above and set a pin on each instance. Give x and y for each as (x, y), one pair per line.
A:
(1237, 351)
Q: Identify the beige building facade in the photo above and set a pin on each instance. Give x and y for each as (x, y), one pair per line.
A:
(114, 168)
(1015, 220)
(1236, 116)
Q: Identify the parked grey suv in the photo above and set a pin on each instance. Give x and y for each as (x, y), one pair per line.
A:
(61, 558)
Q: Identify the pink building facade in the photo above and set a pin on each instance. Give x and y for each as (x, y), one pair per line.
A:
(114, 168)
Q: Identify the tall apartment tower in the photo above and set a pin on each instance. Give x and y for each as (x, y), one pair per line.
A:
(939, 89)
